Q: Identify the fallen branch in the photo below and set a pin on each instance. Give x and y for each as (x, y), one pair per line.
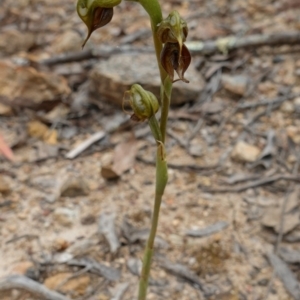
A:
(267, 102)
(103, 52)
(224, 45)
(252, 184)
(31, 286)
(286, 276)
(227, 44)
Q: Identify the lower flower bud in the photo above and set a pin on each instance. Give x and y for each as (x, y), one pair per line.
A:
(143, 103)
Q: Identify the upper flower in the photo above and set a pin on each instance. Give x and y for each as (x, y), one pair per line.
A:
(95, 13)
(175, 56)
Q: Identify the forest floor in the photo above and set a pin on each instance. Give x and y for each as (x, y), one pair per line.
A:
(75, 222)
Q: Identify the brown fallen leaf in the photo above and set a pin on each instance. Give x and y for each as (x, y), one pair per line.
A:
(36, 129)
(39, 130)
(5, 150)
(123, 159)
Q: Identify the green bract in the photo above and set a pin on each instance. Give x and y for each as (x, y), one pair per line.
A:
(173, 29)
(143, 103)
(95, 13)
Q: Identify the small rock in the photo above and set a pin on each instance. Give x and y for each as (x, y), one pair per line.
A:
(196, 150)
(115, 75)
(13, 41)
(51, 137)
(297, 105)
(88, 219)
(293, 133)
(237, 84)
(4, 185)
(27, 87)
(22, 268)
(60, 244)
(22, 216)
(65, 216)
(244, 152)
(67, 42)
(36, 129)
(76, 286)
(5, 110)
(297, 101)
(287, 107)
(74, 187)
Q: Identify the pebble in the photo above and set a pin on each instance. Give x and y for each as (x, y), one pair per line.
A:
(245, 152)
(65, 216)
(287, 107)
(237, 84)
(4, 185)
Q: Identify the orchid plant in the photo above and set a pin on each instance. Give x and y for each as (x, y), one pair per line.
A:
(173, 57)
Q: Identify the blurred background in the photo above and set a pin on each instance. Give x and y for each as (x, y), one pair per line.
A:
(77, 175)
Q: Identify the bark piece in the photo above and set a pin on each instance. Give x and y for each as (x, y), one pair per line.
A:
(107, 228)
(209, 230)
(285, 275)
(24, 283)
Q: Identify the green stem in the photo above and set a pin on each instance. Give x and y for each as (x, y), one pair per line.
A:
(154, 126)
(153, 9)
(161, 181)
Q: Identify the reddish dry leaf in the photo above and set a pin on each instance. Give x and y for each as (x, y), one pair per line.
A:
(124, 156)
(5, 150)
(123, 159)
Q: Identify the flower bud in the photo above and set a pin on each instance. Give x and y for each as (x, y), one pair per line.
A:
(95, 13)
(173, 29)
(143, 103)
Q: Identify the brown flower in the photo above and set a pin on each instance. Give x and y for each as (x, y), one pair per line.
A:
(175, 58)
(101, 17)
(95, 13)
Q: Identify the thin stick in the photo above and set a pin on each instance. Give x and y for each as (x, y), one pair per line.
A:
(25, 283)
(253, 184)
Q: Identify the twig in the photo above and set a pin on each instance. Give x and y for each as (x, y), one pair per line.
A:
(267, 102)
(252, 184)
(86, 144)
(25, 283)
(96, 268)
(232, 43)
(102, 52)
(208, 47)
(187, 167)
(209, 230)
